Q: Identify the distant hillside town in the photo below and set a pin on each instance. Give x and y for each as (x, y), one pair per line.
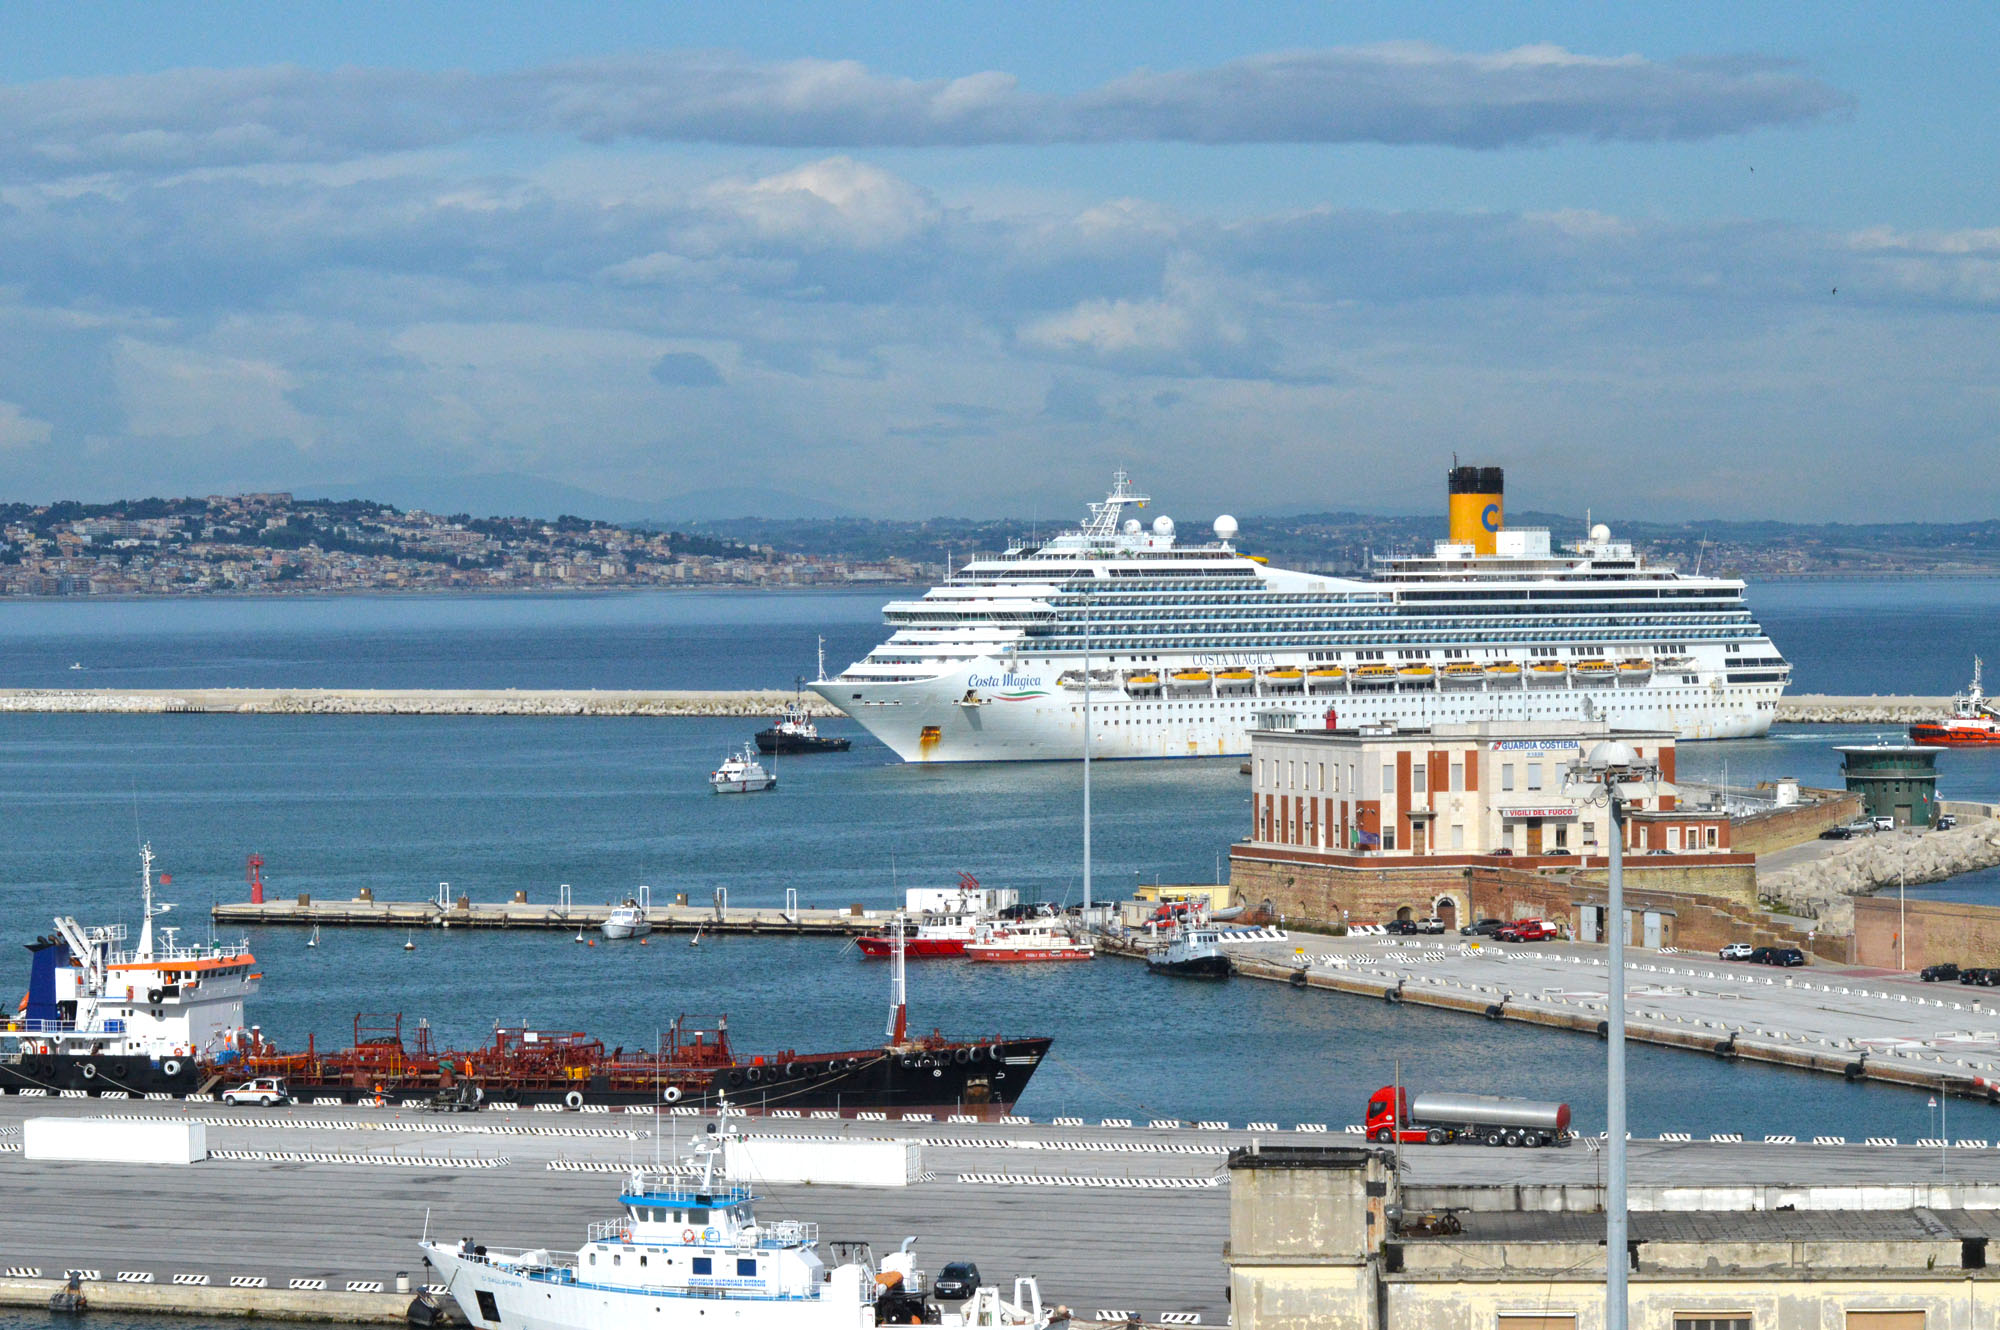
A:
(274, 542)
(277, 543)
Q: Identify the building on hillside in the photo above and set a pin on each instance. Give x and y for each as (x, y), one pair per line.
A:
(1468, 821)
(1333, 1238)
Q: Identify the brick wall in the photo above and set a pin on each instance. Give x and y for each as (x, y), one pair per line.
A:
(1784, 827)
(1937, 931)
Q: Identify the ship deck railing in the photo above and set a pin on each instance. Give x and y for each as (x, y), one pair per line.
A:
(567, 1273)
(23, 1025)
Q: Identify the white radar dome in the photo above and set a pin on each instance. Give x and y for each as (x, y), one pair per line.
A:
(1163, 527)
(1131, 526)
(1225, 527)
(1600, 533)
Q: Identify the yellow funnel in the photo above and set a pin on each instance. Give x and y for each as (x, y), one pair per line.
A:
(1475, 506)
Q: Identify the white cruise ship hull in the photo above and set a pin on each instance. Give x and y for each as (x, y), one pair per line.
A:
(1030, 718)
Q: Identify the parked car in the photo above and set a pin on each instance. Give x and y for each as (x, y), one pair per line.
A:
(265, 1091)
(1484, 928)
(1502, 850)
(1946, 821)
(1402, 927)
(1736, 951)
(1777, 956)
(1970, 974)
(1882, 822)
(1527, 930)
(1837, 833)
(957, 1281)
(1942, 973)
(1980, 976)
(1432, 925)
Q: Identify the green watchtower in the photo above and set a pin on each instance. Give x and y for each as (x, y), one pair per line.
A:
(1895, 780)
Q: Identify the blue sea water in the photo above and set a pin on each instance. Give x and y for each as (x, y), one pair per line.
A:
(493, 805)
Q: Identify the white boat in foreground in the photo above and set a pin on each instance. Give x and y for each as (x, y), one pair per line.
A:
(741, 773)
(627, 920)
(690, 1254)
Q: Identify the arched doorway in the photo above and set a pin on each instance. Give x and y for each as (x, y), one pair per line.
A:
(1406, 914)
(1446, 910)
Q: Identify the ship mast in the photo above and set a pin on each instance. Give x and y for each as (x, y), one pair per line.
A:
(145, 948)
(898, 991)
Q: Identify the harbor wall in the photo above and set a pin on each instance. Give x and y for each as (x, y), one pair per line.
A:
(1782, 828)
(412, 701)
(1935, 931)
(205, 1300)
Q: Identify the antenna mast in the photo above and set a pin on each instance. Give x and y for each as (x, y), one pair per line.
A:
(898, 991)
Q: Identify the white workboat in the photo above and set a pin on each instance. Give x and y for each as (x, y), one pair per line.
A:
(690, 1254)
(627, 920)
(741, 773)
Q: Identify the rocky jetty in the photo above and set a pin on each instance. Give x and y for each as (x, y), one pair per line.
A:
(1827, 709)
(1824, 888)
(411, 702)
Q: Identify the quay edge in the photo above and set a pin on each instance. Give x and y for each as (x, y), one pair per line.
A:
(282, 1304)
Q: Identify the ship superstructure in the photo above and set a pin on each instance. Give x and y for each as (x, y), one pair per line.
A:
(1182, 649)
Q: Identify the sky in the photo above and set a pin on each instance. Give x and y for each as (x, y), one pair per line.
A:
(902, 260)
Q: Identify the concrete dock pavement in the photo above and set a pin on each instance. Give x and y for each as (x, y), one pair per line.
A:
(1847, 1021)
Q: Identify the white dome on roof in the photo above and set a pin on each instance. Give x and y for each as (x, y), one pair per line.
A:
(1163, 527)
(1131, 526)
(1600, 533)
(1225, 527)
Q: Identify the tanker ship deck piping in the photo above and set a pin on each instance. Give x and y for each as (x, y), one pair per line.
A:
(1182, 649)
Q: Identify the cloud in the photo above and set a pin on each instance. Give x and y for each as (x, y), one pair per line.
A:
(686, 369)
(1399, 93)
(18, 429)
(1071, 400)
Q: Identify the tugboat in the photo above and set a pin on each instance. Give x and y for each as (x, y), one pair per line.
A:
(946, 920)
(741, 773)
(794, 731)
(1194, 953)
(149, 1020)
(688, 1253)
(1974, 722)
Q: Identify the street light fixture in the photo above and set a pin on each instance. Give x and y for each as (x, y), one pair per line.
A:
(1613, 775)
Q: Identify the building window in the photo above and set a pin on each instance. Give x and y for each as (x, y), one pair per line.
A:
(1419, 778)
(1506, 775)
(1711, 1321)
(1458, 775)
(1388, 777)
(1388, 838)
(1457, 835)
(1711, 838)
(1562, 838)
(1534, 775)
(1909, 1320)
(1537, 1321)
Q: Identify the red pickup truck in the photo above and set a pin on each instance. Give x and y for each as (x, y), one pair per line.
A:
(1528, 930)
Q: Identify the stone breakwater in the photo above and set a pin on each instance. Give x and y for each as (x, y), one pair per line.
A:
(1825, 888)
(1825, 709)
(410, 702)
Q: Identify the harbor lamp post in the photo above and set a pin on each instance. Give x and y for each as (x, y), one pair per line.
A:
(1612, 774)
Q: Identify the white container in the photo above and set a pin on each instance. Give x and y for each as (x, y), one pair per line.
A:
(106, 1141)
(863, 1163)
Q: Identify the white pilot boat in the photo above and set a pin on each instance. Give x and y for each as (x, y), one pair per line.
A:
(688, 1253)
(630, 919)
(741, 773)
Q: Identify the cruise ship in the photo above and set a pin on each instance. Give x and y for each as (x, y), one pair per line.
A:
(1180, 650)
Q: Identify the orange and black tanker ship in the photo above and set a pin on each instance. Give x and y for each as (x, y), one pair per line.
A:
(693, 1066)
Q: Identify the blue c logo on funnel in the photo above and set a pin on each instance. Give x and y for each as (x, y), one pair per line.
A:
(1490, 518)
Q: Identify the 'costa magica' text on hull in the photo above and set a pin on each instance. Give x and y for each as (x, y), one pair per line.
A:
(1182, 650)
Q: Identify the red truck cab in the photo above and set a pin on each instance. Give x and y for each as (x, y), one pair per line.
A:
(1389, 1112)
(1528, 930)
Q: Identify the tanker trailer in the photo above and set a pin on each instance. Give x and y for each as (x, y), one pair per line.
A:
(1471, 1119)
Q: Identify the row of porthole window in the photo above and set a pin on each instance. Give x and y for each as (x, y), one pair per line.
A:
(746, 1266)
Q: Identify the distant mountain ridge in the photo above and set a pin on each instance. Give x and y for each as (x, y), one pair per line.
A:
(513, 494)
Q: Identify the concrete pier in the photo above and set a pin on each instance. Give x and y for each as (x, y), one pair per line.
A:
(1110, 1216)
(1858, 1023)
(303, 912)
(411, 701)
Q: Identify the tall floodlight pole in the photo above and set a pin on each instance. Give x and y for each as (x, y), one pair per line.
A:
(1612, 773)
